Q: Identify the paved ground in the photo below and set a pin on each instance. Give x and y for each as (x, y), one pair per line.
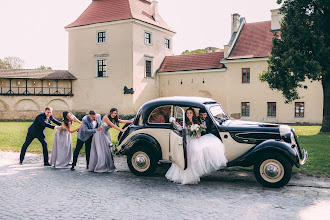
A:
(32, 191)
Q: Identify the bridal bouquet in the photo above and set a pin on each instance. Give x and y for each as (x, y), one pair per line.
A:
(194, 130)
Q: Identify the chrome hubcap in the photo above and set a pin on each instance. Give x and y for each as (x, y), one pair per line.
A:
(140, 161)
(271, 170)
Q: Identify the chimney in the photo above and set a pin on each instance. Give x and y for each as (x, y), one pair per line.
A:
(226, 50)
(234, 23)
(155, 14)
(276, 19)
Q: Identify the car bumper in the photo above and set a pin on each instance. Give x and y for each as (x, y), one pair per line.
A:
(303, 160)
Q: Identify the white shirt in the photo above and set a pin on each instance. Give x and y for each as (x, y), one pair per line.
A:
(94, 124)
(204, 124)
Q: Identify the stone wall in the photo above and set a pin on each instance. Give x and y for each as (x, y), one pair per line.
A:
(28, 107)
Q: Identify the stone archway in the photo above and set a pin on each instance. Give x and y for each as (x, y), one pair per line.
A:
(3, 106)
(59, 105)
(26, 105)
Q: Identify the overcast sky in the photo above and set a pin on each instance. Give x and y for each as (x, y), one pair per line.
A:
(34, 29)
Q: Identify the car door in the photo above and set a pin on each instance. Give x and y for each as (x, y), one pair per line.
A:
(178, 143)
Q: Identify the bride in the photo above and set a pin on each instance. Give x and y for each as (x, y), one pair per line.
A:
(205, 155)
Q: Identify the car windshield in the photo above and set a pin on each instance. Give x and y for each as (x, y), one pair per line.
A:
(218, 113)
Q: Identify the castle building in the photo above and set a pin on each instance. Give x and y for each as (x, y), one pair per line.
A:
(121, 55)
(117, 44)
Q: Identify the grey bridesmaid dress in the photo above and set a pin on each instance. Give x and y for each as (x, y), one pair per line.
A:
(101, 159)
(61, 156)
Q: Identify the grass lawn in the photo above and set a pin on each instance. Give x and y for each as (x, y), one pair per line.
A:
(318, 146)
(12, 136)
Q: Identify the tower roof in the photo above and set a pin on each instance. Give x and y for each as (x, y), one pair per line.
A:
(101, 11)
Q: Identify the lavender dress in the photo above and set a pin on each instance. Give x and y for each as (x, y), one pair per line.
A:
(61, 155)
(101, 159)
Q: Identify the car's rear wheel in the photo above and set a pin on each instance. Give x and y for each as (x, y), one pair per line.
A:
(142, 161)
(273, 170)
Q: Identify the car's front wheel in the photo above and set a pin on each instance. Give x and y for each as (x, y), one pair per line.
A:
(142, 161)
(273, 170)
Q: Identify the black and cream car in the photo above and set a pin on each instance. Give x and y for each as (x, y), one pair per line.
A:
(156, 136)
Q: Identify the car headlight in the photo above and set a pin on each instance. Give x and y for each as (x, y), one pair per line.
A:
(287, 137)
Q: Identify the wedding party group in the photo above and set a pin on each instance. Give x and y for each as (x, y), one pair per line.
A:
(205, 152)
(93, 133)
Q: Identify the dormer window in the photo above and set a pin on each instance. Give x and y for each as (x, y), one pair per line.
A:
(147, 38)
(101, 37)
(167, 43)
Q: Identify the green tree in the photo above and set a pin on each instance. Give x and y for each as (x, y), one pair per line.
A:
(205, 50)
(4, 65)
(302, 51)
(14, 62)
(42, 67)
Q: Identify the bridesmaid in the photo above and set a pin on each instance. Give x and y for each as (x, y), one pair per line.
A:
(101, 159)
(114, 117)
(62, 146)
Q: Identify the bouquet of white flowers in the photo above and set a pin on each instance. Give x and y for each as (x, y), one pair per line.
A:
(194, 130)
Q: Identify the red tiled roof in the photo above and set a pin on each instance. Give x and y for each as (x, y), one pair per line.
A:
(255, 40)
(201, 61)
(114, 10)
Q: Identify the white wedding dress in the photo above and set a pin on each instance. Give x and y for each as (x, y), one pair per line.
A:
(204, 155)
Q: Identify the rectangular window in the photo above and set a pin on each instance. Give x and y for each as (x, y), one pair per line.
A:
(245, 75)
(299, 109)
(147, 37)
(245, 108)
(148, 67)
(101, 68)
(101, 37)
(271, 109)
(167, 43)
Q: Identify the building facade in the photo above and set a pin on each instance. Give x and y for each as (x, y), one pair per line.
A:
(235, 84)
(115, 50)
(25, 93)
(121, 55)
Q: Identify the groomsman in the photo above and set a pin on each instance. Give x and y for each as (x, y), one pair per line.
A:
(37, 130)
(90, 124)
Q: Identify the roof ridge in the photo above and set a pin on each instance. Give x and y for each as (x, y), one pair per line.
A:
(79, 15)
(130, 8)
(258, 22)
(195, 54)
(32, 69)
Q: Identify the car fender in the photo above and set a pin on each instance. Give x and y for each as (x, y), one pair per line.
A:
(280, 147)
(144, 139)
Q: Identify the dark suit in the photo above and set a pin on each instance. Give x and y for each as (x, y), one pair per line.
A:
(37, 130)
(208, 125)
(85, 136)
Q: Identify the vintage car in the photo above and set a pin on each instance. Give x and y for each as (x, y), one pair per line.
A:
(156, 136)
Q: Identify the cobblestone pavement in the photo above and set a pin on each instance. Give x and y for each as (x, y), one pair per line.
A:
(32, 191)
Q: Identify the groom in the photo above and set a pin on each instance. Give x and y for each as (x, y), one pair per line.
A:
(90, 124)
(205, 121)
(37, 130)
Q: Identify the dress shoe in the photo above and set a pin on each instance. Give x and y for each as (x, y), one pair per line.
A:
(20, 163)
(47, 164)
(72, 168)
